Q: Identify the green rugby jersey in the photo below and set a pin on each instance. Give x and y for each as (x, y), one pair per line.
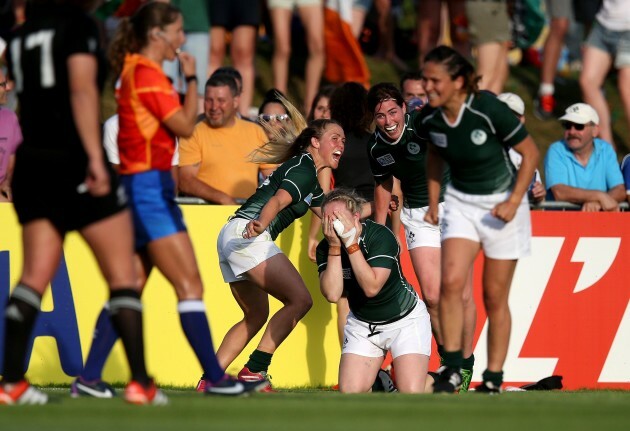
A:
(406, 160)
(476, 146)
(380, 249)
(298, 176)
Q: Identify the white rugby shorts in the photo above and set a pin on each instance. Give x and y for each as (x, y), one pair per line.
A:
(411, 334)
(419, 233)
(468, 216)
(237, 255)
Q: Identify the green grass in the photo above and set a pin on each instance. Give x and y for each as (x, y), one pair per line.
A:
(324, 410)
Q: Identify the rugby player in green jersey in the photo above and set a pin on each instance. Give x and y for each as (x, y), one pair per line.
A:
(397, 150)
(385, 311)
(486, 205)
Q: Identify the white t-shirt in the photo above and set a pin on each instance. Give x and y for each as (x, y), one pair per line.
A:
(110, 142)
(615, 15)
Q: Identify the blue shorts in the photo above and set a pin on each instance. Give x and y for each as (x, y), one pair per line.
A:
(152, 202)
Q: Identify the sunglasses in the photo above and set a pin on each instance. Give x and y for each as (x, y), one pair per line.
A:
(569, 126)
(272, 117)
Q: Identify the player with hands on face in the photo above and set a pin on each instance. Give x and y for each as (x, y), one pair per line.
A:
(363, 260)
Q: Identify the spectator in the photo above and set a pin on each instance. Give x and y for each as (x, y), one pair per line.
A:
(582, 168)
(320, 108)
(536, 191)
(382, 302)
(10, 138)
(197, 29)
(431, 24)
(486, 206)
(489, 27)
(398, 150)
(241, 18)
(412, 90)
(274, 112)
(608, 44)
(560, 12)
(213, 162)
(312, 16)
(386, 47)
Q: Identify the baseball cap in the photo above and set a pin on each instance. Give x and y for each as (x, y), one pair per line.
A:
(580, 113)
(513, 101)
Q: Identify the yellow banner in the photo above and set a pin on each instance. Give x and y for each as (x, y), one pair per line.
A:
(309, 356)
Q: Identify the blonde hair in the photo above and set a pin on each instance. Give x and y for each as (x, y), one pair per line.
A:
(353, 201)
(290, 140)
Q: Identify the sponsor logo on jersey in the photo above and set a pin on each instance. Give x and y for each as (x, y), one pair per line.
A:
(308, 199)
(439, 139)
(413, 148)
(386, 160)
(478, 137)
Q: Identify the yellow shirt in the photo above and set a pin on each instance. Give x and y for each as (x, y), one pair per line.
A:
(223, 154)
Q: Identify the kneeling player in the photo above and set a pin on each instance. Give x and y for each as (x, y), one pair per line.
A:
(362, 258)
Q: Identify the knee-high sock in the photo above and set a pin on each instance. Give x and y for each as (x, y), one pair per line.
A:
(125, 310)
(103, 341)
(21, 312)
(192, 314)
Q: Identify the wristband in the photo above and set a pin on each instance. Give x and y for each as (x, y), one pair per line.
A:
(334, 250)
(353, 248)
(190, 78)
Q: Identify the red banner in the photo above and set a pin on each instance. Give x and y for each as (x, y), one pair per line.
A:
(569, 302)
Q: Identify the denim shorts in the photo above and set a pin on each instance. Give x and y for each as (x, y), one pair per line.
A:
(614, 43)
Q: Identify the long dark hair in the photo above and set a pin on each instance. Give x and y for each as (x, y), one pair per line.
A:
(456, 65)
(348, 105)
(133, 33)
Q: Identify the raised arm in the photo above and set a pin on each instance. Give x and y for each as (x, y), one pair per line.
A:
(183, 122)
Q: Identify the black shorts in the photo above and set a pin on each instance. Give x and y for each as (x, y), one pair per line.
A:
(233, 13)
(45, 185)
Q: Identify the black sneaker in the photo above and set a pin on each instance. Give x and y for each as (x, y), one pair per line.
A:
(383, 382)
(448, 380)
(229, 386)
(95, 388)
(488, 388)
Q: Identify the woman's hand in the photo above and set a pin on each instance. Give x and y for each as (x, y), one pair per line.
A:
(505, 211)
(97, 179)
(253, 229)
(349, 234)
(432, 215)
(329, 232)
(188, 64)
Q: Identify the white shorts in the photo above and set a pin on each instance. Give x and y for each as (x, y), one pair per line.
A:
(419, 233)
(238, 255)
(468, 216)
(411, 334)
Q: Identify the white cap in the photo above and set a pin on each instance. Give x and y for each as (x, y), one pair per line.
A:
(513, 101)
(580, 113)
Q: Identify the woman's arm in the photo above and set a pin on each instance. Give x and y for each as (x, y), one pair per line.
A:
(182, 123)
(277, 203)
(527, 149)
(331, 279)
(324, 177)
(84, 100)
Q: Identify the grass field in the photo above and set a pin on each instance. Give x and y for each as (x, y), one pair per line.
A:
(328, 411)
